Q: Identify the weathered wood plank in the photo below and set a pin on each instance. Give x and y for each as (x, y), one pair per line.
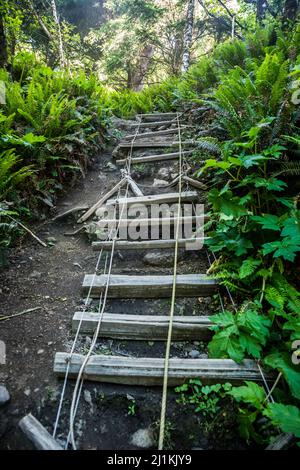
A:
(150, 124)
(154, 133)
(187, 285)
(152, 144)
(195, 183)
(37, 434)
(154, 158)
(143, 327)
(149, 244)
(159, 116)
(149, 371)
(283, 441)
(134, 187)
(186, 196)
(101, 201)
(70, 211)
(148, 222)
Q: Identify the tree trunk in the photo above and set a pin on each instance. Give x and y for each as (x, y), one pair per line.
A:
(60, 41)
(3, 44)
(261, 7)
(39, 20)
(188, 36)
(145, 59)
(291, 9)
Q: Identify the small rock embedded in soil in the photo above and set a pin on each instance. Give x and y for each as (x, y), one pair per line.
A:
(158, 183)
(157, 258)
(4, 395)
(164, 173)
(143, 438)
(51, 240)
(35, 275)
(194, 354)
(87, 397)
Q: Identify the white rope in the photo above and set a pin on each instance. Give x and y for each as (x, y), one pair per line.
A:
(171, 316)
(75, 398)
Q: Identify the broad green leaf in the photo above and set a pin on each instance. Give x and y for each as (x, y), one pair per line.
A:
(223, 319)
(287, 417)
(267, 221)
(291, 373)
(250, 393)
(225, 344)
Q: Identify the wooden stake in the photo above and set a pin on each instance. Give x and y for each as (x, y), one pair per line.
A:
(8, 317)
(37, 434)
(101, 201)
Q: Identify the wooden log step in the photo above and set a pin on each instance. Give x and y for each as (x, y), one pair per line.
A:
(155, 158)
(149, 371)
(143, 125)
(152, 221)
(186, 196)
(143, 286)
(150, 244)
(154, 133)
(152, 144)
(158, 116)
(143, 327)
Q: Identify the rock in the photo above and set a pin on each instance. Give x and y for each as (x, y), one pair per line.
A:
(157, 258)
(111, 166)
(157, 183)
(143, 438)
(87, 397)
(164, 173)
(4, 395)
(27, 392)
(41, 351)
(51, 240)
(35, 275)
(194, 354)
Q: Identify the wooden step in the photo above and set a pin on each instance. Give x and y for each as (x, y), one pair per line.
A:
(187, 285)
(151, 221)
(186, 196)
(149, 371)
(150, 144)
(143, 125)
(143, 327)
(154, 133)
(158, 116)
(155, 158)
(150, 244)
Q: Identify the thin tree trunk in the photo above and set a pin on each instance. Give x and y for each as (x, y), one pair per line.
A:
(60, 41)
(3, 44)
(145, 59)
(188, 36)
(291, 9)
(261, 8)
(39, 20)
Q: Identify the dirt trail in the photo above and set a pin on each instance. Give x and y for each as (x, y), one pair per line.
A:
(51, 278)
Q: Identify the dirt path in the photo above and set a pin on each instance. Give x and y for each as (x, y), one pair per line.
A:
(51, 278)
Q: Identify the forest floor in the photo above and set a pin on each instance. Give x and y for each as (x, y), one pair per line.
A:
(51, 278)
